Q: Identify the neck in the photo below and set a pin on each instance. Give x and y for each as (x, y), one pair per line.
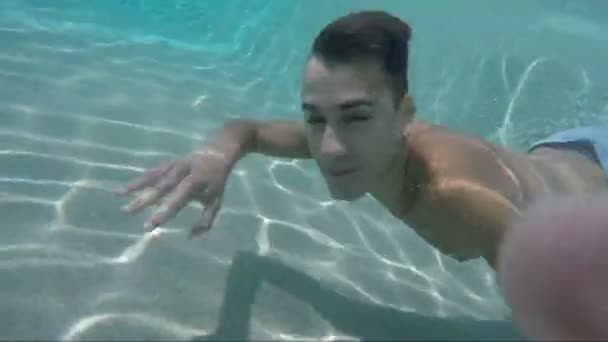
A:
(397, 188)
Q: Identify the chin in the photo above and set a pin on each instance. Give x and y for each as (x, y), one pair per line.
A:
(345, 195)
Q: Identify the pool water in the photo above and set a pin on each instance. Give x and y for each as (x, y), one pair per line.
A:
(95, 92)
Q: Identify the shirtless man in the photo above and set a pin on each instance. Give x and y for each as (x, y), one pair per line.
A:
(459, 193)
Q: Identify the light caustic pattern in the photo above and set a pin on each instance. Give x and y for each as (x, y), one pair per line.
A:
(78, 116)
(78, 119)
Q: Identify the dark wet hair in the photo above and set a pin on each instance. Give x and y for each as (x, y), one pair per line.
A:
(374, 35)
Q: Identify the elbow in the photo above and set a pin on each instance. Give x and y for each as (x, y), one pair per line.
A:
(243, 131)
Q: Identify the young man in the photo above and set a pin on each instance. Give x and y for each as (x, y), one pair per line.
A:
(456, 191)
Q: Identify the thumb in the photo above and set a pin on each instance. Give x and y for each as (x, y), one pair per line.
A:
(205, 222)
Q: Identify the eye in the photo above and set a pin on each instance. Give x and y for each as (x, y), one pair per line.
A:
(315, 120)
(358, 118)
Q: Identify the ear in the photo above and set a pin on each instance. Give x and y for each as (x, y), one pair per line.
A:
(407, 107)
(406, 113)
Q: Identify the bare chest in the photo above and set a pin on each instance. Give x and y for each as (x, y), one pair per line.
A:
(453, 234)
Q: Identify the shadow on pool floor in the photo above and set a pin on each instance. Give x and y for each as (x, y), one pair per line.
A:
(248, 271)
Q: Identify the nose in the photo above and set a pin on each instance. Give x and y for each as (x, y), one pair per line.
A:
(331, 144)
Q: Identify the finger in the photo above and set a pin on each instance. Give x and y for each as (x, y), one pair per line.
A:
(174, 203)
(152, 195)
(146, 197)
(207, 218)
(148, 178)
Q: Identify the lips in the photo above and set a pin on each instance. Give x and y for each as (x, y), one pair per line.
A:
(341, 172)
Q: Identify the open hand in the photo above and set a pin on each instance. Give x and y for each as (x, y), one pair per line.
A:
(199, 176)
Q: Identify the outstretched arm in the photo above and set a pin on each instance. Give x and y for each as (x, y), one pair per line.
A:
(553, 269)
(202, 174)
(277, 138)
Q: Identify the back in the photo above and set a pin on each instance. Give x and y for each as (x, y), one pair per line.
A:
(520, 177)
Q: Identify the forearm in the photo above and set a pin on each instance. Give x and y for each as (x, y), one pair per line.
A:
(282, 139)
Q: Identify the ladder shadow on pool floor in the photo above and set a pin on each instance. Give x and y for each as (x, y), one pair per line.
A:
(364, 321)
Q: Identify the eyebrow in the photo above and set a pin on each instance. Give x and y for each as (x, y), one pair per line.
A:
(343, 106)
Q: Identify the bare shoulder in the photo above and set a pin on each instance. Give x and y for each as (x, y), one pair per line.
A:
(457, 160)
(470, 189)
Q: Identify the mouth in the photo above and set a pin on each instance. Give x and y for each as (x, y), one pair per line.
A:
(341, 172)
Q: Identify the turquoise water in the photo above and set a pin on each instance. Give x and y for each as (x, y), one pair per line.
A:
(94, 92)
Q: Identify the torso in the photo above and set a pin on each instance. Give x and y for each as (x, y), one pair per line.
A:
(440, 155)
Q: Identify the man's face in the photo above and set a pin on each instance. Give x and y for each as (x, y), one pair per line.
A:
(353, 126)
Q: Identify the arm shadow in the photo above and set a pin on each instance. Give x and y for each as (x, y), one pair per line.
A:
(365, 321)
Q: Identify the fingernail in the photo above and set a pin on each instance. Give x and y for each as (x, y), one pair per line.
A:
(149, 226)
